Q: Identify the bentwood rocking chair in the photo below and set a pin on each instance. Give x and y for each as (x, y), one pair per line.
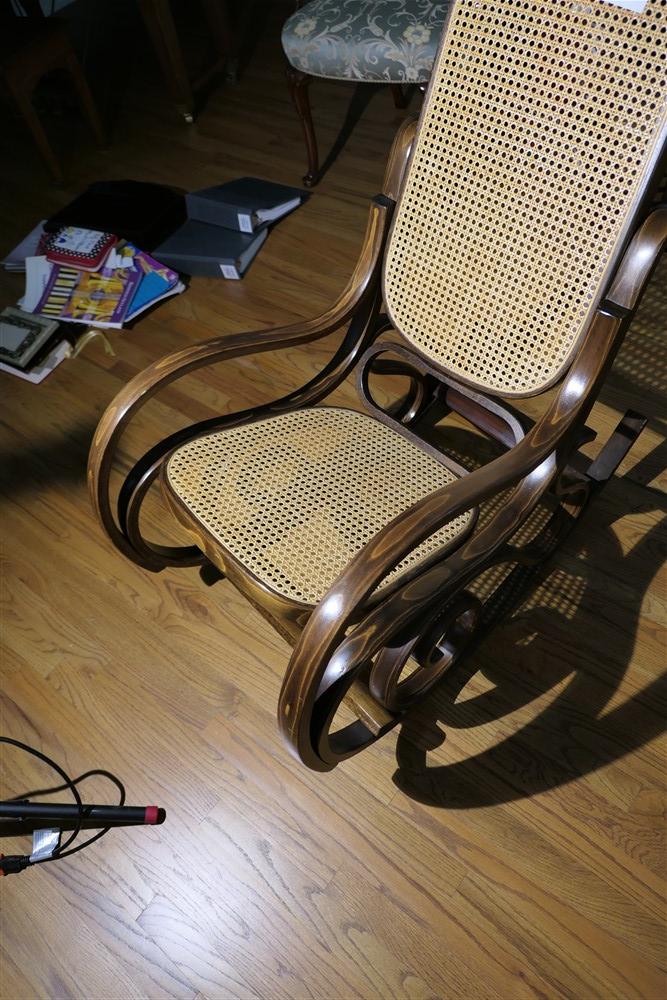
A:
(509, 248)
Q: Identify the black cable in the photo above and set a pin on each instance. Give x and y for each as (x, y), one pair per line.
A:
(100, 833)
(75, 781)
(70, 784)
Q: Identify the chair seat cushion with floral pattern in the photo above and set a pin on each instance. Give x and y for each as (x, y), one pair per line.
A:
(383, 41)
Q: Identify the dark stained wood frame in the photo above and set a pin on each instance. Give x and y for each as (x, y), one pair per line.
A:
(353, 646)
(362, 288)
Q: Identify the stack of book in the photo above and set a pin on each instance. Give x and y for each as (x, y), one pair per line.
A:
(76, 275)
(227, 224)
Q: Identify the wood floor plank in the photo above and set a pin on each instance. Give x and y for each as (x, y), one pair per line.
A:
(449, 949)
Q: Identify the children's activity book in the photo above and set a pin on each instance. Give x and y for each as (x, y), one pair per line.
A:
(129, 282)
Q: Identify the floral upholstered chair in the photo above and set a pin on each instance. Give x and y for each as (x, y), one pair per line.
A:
(369, 41)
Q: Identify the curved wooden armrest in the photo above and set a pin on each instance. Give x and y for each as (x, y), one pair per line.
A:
(399, 156)
(639, 260)
(139, 390)
(174, 366)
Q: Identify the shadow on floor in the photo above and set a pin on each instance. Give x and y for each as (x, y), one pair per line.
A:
(56, 458)
(571, 638)
(361, 98)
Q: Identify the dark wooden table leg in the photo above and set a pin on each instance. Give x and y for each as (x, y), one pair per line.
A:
(244, 20)
(162, 30)
(298, 83)
(217, 19)
(85, 97)
(23, 98)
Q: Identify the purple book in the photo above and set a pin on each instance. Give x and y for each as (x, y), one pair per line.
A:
(99, 298)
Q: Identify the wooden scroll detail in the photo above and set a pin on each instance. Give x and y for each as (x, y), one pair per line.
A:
(435, 649)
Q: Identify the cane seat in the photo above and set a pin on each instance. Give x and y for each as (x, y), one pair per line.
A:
(293, 498)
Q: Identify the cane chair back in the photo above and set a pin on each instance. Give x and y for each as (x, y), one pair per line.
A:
(541, 127)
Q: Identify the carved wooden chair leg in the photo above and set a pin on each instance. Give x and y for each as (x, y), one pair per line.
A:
(298, 83)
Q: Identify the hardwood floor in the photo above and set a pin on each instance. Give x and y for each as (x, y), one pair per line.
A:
(506, 842)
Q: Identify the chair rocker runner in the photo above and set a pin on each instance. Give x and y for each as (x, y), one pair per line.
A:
(508, 249)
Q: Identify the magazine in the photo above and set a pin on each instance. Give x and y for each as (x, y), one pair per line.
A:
(94, 297)
(157, 281)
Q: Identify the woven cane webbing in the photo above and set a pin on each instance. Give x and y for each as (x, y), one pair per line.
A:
(293, 498)
(536, 140)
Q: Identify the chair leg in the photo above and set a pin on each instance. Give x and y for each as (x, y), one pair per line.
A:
(217, 20)
(216, 13)
(86, 98)
(399, 95)
(24, 103)
(298, 87)
(242, 29)
(160, 25)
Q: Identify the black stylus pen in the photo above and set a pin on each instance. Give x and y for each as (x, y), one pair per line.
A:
(53, 811)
